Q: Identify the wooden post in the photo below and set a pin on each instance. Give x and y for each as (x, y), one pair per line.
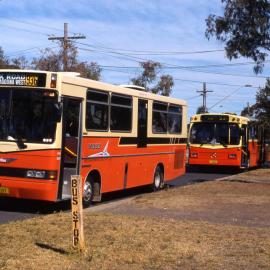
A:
(77, 213)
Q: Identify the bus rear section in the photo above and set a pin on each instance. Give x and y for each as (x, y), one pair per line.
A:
(223, 140)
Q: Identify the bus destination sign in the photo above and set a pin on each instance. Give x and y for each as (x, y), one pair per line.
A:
(215, 118)
(23, 79)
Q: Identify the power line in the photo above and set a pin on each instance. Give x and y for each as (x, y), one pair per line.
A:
(25, 30)
(34, 24)
(187, 69)
(186, 80)
(64, 41)
(192, 97)
(172, 65)
(25, 51)
(138, 59)
(169, 66)
(233, 92)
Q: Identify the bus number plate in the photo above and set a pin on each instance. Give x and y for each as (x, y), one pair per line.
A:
(213, 161)
(4, 190)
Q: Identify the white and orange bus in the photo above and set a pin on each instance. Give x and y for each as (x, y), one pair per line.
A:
(54, 125)
(224, 140)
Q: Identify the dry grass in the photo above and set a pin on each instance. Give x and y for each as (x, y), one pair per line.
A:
(124, 242)
(214, 225)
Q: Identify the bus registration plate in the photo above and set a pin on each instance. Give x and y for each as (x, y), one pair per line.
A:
(213, 161)
(4, 190)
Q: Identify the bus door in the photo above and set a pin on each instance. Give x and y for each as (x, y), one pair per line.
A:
(245, 152)
(71, 144)
(142, 123)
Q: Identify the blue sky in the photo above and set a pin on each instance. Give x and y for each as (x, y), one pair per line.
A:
(119, 34)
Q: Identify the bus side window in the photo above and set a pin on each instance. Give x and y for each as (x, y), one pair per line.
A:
(97, 110)
(160, 117)
(121, 113)
(253, 132)
(244, 135)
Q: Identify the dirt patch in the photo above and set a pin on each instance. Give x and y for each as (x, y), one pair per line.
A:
(252, 176)
(244, 203)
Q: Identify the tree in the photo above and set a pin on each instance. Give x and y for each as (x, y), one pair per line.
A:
(4, 63)
(53, 61)
(49, 60)
(149, 76)
(244, 28)
(18, 63)
(164, 86)
(91, 71)
(261, 109)
(201, 109)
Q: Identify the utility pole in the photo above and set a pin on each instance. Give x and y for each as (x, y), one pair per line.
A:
(203, 93)
(65, 39)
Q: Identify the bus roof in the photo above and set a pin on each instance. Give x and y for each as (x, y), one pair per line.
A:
(225, 117)
(118, 89)
(73, 78)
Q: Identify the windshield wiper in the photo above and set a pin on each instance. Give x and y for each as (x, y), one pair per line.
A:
(223, 144)
(21, 144)
(19, 141)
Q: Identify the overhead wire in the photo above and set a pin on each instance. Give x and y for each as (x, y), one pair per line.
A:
(170, 66)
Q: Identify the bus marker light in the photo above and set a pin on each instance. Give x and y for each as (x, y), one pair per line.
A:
(53, 80)
(52, 175)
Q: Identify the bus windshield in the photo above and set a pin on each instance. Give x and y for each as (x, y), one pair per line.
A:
(27, 115)
(215, 133)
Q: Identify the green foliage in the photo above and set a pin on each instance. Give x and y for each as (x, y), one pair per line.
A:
(244, 28)
(148, 79)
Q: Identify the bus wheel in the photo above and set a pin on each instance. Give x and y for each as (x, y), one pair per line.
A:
(87, 193)
(158, 179)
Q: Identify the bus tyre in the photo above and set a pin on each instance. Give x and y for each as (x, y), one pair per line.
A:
(158, 179)
(87, 193)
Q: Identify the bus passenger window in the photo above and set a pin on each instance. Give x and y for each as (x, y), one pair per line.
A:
(175, 119)
(97, 110)
(160, 118)
(121, 113)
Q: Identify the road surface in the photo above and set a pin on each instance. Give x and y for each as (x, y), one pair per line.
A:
(14, 209)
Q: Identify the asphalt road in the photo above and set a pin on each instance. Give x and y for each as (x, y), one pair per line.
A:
(15, 209)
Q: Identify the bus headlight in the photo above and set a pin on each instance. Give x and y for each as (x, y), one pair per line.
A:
(35, 174)
(51, 175)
